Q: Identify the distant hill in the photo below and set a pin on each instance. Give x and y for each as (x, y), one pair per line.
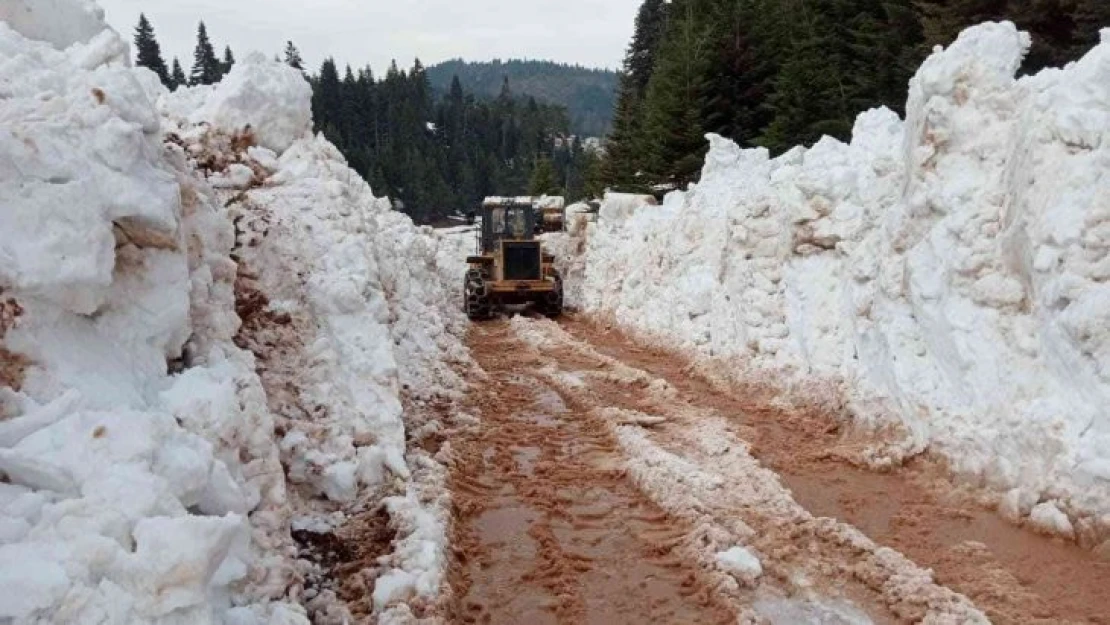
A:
(587, 94)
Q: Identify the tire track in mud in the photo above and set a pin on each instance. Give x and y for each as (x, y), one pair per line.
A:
(548, 528)
(1012, 574)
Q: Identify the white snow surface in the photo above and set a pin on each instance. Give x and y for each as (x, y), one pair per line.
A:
(140, 478)
(274, 100)
(741, 563)
(946, 273)
(58, 22)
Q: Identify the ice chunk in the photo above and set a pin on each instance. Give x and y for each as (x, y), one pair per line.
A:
(1047, 518)
(741, 563)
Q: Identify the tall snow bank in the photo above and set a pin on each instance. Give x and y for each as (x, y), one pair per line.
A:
(360, 325)
(128, 494)
(946, 274)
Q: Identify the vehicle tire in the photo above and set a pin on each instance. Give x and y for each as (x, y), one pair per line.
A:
(551, 304)
(477, 302)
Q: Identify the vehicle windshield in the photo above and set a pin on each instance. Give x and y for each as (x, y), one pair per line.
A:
(509, 222)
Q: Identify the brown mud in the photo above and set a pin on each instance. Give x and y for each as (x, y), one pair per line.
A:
(548, 528)
(1011, 573)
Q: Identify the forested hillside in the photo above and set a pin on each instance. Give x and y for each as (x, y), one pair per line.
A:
(588, 94)
(779, 73)
(440, 155)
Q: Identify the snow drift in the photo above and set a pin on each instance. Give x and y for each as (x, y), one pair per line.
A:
(155, 251)
(946, 274)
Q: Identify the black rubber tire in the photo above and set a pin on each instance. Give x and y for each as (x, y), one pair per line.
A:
(551, 304)
(476, 298)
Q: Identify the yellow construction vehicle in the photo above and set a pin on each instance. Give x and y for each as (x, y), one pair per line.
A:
(510, 267)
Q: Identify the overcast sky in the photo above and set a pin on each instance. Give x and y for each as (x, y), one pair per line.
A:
(588, 32)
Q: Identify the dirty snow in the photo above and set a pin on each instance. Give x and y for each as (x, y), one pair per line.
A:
(945, 274)
(367, 309)
(141, 453)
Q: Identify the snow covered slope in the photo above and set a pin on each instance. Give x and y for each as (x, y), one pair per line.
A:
(155, 253)
(946, 274)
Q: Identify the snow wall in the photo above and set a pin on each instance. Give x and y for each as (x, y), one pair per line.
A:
(946, 274)
(148, 472)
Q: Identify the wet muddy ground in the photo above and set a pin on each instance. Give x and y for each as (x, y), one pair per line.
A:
(569, 508)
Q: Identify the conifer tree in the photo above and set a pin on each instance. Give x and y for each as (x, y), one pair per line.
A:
(327, 100)
(228, 62)
(639, 60)
(148, 52)
(674, 142)
(625, 152)
(206, 67)
(741, 72)
(177, 77)
(543, 181)
(293, 56)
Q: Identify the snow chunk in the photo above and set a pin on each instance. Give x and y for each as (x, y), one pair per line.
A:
(741, 563)
(176, 560)
(273, 99)
(66, 187)
(31, 579)
(1047, 518)
(61, 23)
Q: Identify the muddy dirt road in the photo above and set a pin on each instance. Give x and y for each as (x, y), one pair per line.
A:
(604, 481)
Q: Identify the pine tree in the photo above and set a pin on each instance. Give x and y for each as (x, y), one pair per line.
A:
(626, 150)
(293, 56)
(206, 67)
(623, 153)
(177, 77)
(673, 138)
(736, 88)
(327, 101)
(543, 180)
(639, 60)
(228, 62)
(593, 184)
(149, 53)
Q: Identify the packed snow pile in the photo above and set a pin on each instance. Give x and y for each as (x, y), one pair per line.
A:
(355, 311)
(129, 493)
(947, 274)
(277, 105)
(198, 299)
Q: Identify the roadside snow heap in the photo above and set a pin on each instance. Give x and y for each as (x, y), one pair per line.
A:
(141, 453)
(949, 274)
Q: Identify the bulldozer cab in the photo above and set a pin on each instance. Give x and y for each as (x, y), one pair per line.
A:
(506, 220)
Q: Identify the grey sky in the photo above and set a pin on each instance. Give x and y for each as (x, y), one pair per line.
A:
(588, 32)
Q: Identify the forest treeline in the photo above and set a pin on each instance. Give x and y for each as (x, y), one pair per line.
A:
(772, 73)
(433, 155)
(589, 95)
